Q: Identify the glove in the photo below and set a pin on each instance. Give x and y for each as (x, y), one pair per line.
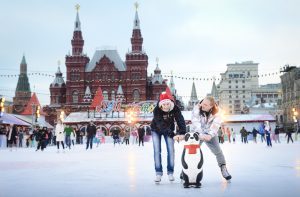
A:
(178, 137)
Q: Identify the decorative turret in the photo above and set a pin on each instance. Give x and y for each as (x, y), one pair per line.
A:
(87, 96)
(120, 94)
(77, 41)
(157, 77)
(58, 89)
(194, 98)
(23, 93)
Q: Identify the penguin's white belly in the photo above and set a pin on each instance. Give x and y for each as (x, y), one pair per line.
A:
(192, 161)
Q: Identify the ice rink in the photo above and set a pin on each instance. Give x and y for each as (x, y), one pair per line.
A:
(129, 171)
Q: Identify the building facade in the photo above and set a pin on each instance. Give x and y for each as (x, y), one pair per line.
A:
(107, 70)
(236, 85)
(290, 81)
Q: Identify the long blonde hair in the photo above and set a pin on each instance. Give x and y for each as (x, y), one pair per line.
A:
(213, 103)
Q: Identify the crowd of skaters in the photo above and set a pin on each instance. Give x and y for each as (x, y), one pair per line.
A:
(65, 137)
(265, 133)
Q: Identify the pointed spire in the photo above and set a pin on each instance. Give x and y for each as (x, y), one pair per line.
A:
(77, 26)
(23, 82)
(23, 60)
(172, 84)
(120, 90)
(214, 90)
(157, 68)
(194, 93)
(136, 22)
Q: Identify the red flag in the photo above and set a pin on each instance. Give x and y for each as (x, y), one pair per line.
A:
(97, 101)
(168, 91)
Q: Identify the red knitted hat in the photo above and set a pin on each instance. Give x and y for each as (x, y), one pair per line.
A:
(166, 98)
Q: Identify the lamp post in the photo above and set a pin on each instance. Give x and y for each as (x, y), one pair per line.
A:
(2, 100)
(295, 119)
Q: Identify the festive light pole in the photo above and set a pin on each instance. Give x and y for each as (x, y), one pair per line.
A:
(2, 100)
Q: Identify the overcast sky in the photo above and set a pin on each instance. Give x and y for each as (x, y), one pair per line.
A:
(193, 38)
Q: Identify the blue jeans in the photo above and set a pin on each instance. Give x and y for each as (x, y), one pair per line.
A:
(156, 138)
(89, 142)
(68, 141)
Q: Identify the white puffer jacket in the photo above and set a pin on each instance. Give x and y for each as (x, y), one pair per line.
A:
(59, 132)
(205, 125)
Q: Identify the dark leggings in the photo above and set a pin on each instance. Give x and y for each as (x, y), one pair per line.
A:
(141, 140)
(62, 143)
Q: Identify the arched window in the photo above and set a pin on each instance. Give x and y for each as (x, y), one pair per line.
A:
(113, 95)
(75, 96)
(136, 96)
(105, 95)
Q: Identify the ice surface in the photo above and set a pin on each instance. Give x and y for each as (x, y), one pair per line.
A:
(129, 171)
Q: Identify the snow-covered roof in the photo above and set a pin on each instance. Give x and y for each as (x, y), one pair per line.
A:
(113, 55)
(265, 105)
(28, 118)
(248, 118)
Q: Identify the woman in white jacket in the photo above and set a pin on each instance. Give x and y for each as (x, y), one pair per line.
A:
(59, 133)
(206, 121)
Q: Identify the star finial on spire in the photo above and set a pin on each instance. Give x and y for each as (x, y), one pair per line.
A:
(157, 60)
(77, 7)
(136, 5)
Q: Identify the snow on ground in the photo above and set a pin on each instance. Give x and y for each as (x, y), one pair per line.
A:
(129, 171)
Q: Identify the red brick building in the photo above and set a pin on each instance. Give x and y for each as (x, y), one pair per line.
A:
(106, 69)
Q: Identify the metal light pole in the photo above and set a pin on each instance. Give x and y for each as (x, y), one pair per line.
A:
(295, 118)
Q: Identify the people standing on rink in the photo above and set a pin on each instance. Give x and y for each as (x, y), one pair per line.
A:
(141, 133)
(254, 134)
(2, 136)
(206, 120)
(289, 135)
(228, 133)
(220, 135)
(90, 134)
(12, 136)
(73, 137)
(59, 134)
(277, 130)
(165, 113)
(262, 132)
(98, 136)
(20, 136)
(126, 137)
(244, 135)
(68, 131)
(134, 135)
(233, 135)
(267, 129)
(116, 136)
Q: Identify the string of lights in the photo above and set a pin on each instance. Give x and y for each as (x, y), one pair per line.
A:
(212, 78)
